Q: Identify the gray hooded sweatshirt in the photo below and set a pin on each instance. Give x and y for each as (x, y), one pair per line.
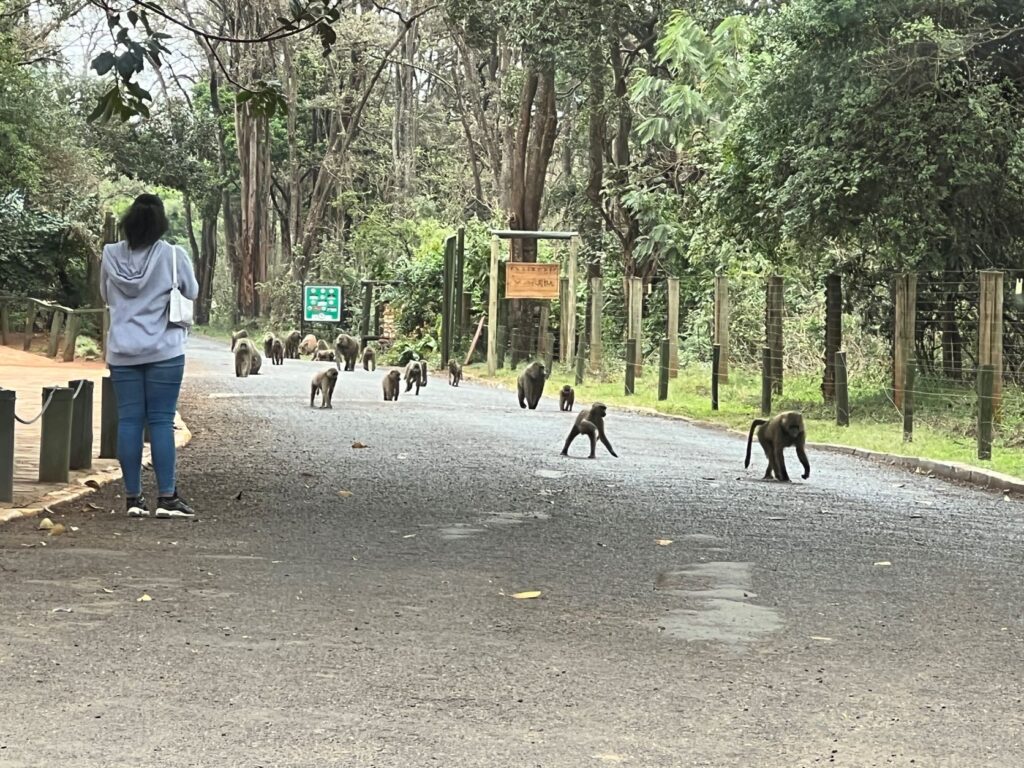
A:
(136, 285)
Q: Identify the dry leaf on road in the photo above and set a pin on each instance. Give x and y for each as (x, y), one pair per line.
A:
(57, 530)
(344, 494)
(144, 599)
(663, 542)
(357, 444)
(527, 595)
(45, 524)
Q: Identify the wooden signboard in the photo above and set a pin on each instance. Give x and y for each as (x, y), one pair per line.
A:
(531, 281)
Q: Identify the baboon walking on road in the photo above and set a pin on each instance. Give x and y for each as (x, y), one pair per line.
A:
(412, 375)
(391, 383)
(291, 345)
(243, 357)
(566, 398)
(590, 422)
(277, 352)
(531, 385)
(454, 373)
(369, 359)
(323, 382)
(784, 430)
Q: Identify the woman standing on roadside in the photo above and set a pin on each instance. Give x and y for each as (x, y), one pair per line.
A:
(144, 351)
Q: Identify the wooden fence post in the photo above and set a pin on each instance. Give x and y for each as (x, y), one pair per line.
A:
(721, 330)
(569, 351)
(903, 344)
(766, 381)
(581, 363)
(492, 309)
(908, 400)
(833, 333)
(596, 311)
(716, 362)
(636, 306)
(502, 343)
(55, 325)
(673, 326)
(563, 319)
(990, 333)
(842, 391)
(664, 369)
(773, 329)
(5, 323)
(71, 336)
(985, 390)
(630, 366)
(30, 324)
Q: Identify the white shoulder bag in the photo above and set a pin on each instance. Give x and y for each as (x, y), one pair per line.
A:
(180, 310)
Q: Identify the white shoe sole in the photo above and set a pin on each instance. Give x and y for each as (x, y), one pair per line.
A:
(173, 513)
(138, 512)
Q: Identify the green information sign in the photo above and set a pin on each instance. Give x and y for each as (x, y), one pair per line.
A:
(322, 303)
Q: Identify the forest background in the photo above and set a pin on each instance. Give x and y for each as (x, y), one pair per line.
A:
(345, 141)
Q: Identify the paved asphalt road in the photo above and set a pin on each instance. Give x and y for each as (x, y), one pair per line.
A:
(867, 617)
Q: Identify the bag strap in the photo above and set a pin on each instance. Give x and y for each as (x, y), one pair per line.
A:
(174, 266)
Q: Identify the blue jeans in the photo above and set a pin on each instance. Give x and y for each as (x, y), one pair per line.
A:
(147, 394)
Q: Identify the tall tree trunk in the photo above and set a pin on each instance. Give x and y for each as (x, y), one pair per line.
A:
(403, 134)
(534, 141)
(223, 164)
(591, 224)
(207, 261)
(252, 135)
(291, 228)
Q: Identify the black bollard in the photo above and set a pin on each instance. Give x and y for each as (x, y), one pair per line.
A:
(7, 403)
(81, 425)
(55, 442)
(108, 420)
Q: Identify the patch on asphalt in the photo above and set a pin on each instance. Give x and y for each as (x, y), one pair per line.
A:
(721, 595)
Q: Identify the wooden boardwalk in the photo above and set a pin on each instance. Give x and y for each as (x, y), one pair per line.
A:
(27, 374)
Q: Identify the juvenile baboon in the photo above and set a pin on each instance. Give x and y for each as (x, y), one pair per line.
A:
(308, 344)
(423, 373)
(257, 362)
(237, 336)
(323, 382)
(590, 422)
(566, 398)
(291, 345)
(243, 357)
(346, 348)
(784, 430)
(277, 352)
(369, 359)
(324, 356)
(412, 375)
(268, 344)
(391, 384)
(531, 385)
(454, 373)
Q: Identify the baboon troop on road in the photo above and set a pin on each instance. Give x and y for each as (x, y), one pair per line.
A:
(345, 352)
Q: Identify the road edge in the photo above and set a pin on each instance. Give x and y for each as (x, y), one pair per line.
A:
(952, 471)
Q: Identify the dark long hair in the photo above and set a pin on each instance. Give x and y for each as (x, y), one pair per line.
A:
(145, 222)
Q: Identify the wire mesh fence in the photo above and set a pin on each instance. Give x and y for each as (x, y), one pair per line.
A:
(916, 351)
